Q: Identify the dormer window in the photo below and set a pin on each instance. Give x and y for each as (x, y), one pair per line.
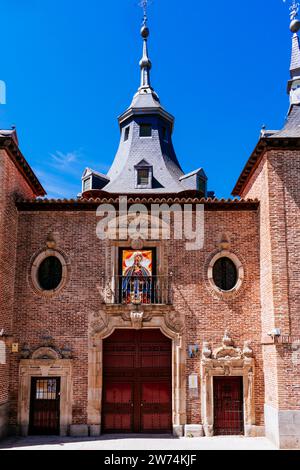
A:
(145, 130)
(87, 184)
(143, 175)
(126, 134)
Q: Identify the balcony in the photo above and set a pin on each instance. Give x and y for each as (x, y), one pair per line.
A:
(136, 290)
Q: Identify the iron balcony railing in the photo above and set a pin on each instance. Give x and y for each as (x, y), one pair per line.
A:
(140, 290)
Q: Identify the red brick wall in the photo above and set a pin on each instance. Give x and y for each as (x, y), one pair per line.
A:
(276, 183)
(65, 316)
(12, 183)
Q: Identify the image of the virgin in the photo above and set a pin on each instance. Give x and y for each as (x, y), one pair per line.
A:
(136, 275)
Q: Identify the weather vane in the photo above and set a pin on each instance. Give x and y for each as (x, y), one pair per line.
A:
(144, 5)
(294, 9)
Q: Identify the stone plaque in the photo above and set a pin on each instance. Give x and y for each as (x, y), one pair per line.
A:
(193, 382)
(2, 353)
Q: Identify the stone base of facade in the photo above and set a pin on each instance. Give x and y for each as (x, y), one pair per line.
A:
(283, 427)
(255, 431)
(95, 430)
(178, 431)
(79, 430)
(3, 420)
(193, 430)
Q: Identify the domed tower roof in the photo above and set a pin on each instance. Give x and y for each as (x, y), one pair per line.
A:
(146, 160)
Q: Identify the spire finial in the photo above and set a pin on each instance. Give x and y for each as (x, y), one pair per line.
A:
(145, 62)
(144, 5)
(294, 10)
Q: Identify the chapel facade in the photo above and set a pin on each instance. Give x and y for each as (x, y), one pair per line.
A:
(146, 334)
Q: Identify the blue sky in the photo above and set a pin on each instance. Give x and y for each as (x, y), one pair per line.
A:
(71, 68)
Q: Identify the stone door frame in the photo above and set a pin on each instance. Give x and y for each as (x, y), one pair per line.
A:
(45, 368)
(170, 325)
(227, 361)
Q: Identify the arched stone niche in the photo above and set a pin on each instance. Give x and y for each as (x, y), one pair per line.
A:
(104, 323)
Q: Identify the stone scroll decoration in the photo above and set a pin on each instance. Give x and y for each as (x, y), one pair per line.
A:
(227, 360)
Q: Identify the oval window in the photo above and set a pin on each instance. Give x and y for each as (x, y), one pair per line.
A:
(50, 273)
(225, 274)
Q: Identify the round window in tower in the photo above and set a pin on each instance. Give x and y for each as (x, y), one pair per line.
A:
(50, 273)
(225, 274)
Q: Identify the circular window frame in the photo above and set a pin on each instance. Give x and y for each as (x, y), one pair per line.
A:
(239, 268)
(35, 265)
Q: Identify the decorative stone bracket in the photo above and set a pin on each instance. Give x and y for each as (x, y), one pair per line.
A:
(227, 360)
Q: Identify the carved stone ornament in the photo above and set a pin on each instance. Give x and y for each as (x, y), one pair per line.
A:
(225, 242)
(247, 351)
(206, 351)
(51, 242)
(98, 323)
(227, 350)
(137, 244)
(25, 351)
(137, 320)
(137, 317)
(46, 353)
(174, 322)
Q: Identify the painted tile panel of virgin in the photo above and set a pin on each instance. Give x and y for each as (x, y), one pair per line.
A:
(137, 280)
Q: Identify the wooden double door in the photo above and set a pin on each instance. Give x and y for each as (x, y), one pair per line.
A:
(137, 382)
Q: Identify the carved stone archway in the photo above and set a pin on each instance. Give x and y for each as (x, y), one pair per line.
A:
(227, 360)
(104, 323)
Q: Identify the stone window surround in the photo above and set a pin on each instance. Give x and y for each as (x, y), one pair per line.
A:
(45, 368)
(35, 264)
(240, 272)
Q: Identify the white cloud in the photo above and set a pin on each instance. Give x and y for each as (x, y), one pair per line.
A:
(66, 161)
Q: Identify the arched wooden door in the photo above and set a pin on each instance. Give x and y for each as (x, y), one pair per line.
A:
(137, 382)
